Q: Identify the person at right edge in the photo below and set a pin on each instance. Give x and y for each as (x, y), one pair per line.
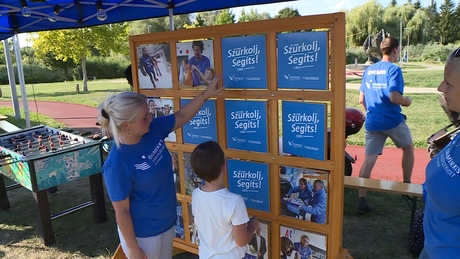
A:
(441, 222)
(381, 95)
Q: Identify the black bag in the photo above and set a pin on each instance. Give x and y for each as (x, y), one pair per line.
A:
(416, 235)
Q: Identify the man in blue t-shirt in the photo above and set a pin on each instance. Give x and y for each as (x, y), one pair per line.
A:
(198, 62)
(381, 96)
(147, 67)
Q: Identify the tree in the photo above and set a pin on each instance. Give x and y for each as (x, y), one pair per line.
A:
(417, 5)
(50, 61)
(226, 17)
(446, 20)
(75, 43)
(209, 18)
(417, 27)
(253, 15)
(393, 3)
(364, 20)
(158, 24)
(287, 12)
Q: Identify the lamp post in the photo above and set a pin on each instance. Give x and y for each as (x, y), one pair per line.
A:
(148, 28)
(407, 51)
(400, 40)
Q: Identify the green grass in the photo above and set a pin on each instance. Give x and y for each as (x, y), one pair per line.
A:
(35, 119)
(66, 92)
(384, 234)
(429, 78)
(424, 117)
(413, 78)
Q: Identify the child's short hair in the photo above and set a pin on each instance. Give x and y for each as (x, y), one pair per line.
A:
(303, 180)
(207, 160)
(210, 69)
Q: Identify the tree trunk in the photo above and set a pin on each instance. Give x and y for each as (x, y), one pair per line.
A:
(85, 76)
(66, 73)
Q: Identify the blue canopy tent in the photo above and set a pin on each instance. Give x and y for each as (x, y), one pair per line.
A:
(18, 16)
(21, 16)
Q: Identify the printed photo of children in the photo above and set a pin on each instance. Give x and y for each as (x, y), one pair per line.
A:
(258, 247)
(192, 227)
(304, 193)
(161, 107)
(192, 181)
(297, 244)
(154, 66)
(196, 63)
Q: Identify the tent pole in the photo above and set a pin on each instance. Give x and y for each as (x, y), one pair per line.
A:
(10, 70)
(171, 17)
(25, 105)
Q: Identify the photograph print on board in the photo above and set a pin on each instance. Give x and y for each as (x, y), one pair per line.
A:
(175, 163)
(304, 193)
(192, 181)
(159, 107)
(179, 231)
(194, 239)
(154, 66)
(196, 63)
(297, 244)
(258, 247)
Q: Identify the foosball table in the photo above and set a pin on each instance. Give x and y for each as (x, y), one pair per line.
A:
(41, 158)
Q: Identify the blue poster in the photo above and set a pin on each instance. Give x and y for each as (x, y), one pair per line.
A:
(304, 129)
(244, 62)
(302, 60)
(246, 125)
(250, 180)
(202, 127)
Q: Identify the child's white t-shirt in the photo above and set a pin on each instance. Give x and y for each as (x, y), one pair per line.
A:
(215, 214)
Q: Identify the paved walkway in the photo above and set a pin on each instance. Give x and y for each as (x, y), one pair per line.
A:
(76, 116)
(82, 118)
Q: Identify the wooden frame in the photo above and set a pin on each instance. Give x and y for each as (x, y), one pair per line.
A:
(334, 24)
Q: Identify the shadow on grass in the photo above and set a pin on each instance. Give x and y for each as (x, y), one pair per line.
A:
(75, 233)
(382, 234)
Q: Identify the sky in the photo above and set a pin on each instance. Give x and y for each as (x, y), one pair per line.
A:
(305, 7)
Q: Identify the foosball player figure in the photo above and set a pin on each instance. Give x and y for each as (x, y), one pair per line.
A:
(52, 146)
(61, 143)
(29, 144)
(18, 147)
(50, 138)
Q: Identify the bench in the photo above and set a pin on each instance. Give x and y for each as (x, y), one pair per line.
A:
(412, 192)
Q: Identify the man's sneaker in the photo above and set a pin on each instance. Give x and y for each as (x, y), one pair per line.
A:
(364, 208)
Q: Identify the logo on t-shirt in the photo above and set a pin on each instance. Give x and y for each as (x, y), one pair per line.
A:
(143, 166)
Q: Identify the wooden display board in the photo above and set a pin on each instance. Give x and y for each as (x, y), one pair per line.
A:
(276, 72)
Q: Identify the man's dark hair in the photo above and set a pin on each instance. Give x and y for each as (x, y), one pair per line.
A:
(207, 160)
(129, 76)
(199, 44)
(389, 44)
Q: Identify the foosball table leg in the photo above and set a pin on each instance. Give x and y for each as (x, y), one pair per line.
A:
(4, 202)
(97, 195)
(45, 227)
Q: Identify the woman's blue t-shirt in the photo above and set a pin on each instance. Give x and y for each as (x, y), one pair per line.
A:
(143, 172)
(441, 223)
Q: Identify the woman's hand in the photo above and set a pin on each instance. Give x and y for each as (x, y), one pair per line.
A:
(137, 253)
(213, 88)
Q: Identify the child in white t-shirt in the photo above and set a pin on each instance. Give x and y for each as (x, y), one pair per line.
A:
(223, 225)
